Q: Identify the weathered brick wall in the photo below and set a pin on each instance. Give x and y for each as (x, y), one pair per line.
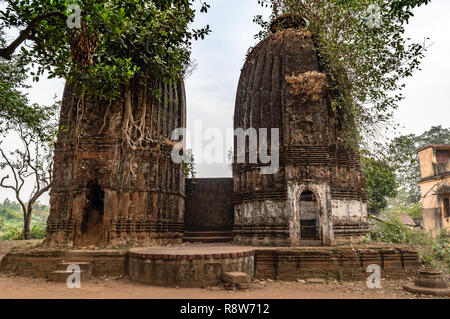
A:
(206, 268)
(41, 262)
(312, 158)
(203, 270)
(340, 263)
(135, 195)
(208, 204)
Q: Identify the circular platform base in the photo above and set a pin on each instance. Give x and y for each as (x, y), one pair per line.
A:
(412, 288)
(188, 266)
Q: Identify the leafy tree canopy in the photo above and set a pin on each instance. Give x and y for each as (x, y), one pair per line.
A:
(381, 183)
(402, 8)
(115, 41)
(393, 171)
(15, 106)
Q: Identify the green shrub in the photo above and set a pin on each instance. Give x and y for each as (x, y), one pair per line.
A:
(12, 233)
(38, 231)
(433, 251)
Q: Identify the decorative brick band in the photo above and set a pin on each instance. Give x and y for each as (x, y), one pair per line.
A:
(234, 255)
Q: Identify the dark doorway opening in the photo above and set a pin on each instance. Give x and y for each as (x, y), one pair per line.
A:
(92, 222)
(309, 216)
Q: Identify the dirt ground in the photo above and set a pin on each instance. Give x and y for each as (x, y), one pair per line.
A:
(12, 287)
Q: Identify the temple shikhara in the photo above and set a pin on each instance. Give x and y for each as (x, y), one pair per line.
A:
(317, 196)
(103, 192)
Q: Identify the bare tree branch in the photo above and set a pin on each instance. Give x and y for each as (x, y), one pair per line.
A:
(28, 165)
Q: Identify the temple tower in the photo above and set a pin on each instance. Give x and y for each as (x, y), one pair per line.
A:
(318, 196)
(105, 193)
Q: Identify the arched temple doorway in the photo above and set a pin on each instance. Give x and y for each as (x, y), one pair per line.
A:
(309, 216)
(92, 221)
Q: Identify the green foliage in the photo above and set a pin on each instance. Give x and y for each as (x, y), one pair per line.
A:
(118, 40)
(9, 214)
(433, 251)
(365, 64)
(11, 221)
(12, 233)
(8, 204)
(15, 107)
(381, 182)
(413, 210)
(402, 8)
(401, 204)
(38, 231)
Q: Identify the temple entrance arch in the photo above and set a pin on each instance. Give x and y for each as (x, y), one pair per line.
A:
(309, 216)
(92, 220)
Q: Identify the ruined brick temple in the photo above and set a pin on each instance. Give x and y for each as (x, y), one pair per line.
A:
(103, 193)
(318, 195)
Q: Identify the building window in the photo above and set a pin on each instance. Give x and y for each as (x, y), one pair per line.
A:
(447, 207)
(442, 156)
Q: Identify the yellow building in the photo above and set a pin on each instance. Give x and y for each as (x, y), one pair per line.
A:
(435, 186)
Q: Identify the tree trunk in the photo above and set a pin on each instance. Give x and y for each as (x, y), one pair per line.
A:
(27, 225)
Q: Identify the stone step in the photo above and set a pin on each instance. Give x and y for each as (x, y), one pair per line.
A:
(310, 243)
(62, 276)
(239, 280)
(84, 266)
(208, 234)
(236, 277)
(207, 239)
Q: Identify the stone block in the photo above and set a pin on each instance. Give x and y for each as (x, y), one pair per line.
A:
(392, 263)
(235, 277)
(370, 257)
(411, 260)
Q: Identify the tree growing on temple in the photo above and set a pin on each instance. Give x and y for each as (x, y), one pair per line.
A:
(363, 51)
(103, 47)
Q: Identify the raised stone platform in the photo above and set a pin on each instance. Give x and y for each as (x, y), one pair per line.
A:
(342, 263)
(41, 262)
(188, 266)
(204, 265)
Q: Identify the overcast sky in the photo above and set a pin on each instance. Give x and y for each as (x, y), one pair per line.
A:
(211, 90)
